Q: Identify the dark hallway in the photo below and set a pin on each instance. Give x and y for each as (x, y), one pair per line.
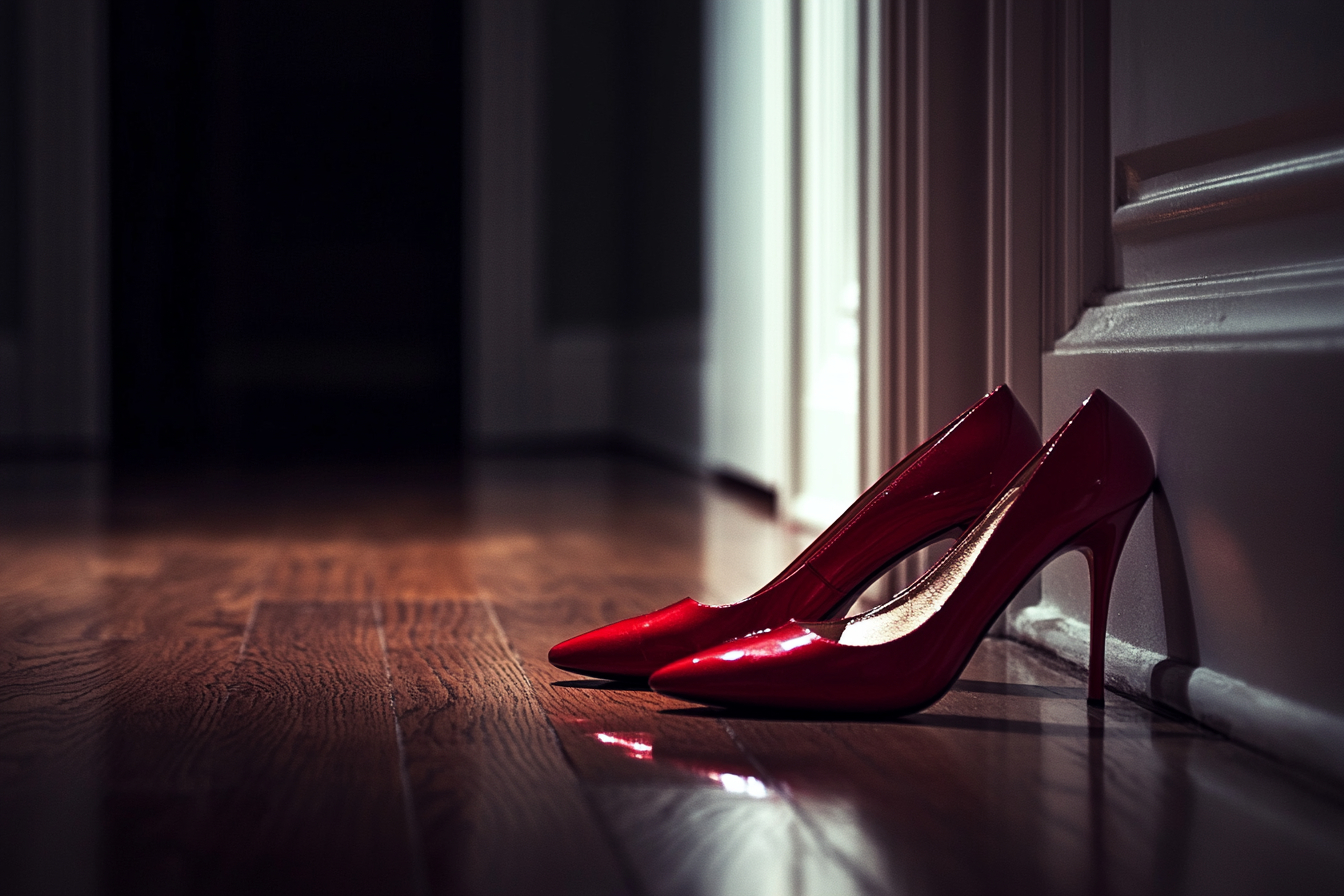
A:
(286, 228)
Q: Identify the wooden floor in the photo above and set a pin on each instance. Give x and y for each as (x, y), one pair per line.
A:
(335, 680)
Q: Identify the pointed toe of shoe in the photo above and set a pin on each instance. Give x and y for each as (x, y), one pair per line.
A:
(728, 675)
(769, 669)
(689, 678)
(636, 647)
(612, 651)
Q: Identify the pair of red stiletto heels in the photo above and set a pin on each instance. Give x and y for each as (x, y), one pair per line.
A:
(1015, 505)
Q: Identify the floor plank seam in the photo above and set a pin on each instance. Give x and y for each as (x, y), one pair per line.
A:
(623, 861)
(249, 626)
(420, 866)
(258, 590)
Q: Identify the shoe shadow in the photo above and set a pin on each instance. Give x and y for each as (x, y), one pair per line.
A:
(601, 684)
(745, 713)
(1170, 678)
(1009, 689)
(966, 685)
(917, 717)
(940, 721)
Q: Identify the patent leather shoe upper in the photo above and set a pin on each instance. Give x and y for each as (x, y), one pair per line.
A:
(1081, 490)
(941, 486)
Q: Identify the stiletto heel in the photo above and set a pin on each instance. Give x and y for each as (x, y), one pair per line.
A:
(1102, 543)
(939, 488)
(1081, 491)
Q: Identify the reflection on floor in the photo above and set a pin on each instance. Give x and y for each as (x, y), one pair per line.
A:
(334, 680)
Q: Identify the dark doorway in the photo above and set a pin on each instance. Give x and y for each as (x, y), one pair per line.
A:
(286, 227)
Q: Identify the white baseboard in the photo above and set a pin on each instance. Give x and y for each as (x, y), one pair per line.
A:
(1294, 732)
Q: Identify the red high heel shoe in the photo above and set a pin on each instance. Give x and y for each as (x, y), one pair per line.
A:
(1081, 491)
(940, 487)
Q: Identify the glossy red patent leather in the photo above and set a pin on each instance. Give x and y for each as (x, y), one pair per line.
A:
(1082, 490)
(939, 487)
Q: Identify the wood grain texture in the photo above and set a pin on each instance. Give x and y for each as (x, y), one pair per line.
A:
(114, 677)
(304, 772)
(496, 807)
(322, 571)
(337, 682)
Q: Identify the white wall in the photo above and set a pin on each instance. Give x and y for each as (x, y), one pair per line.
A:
(1224, 338)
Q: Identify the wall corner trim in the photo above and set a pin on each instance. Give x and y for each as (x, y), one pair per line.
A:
(1292, 307)
(1293, 732)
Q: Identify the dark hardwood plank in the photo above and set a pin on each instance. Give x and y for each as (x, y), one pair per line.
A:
(50, 589)
(425, 569)
(295, 682)
(117, 732)
(497, 807)
(67, 675)
(325, 571)
(305, 779)
(127, 588)
(52, 701)
(160, 739)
